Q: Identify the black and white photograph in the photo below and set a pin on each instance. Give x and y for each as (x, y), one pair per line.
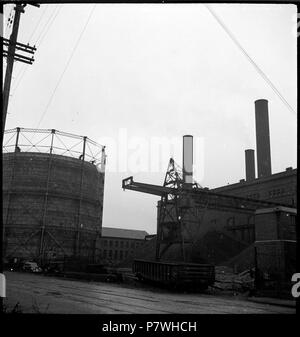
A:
(149, 161)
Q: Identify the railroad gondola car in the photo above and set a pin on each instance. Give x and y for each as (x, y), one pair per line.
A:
(177, 275)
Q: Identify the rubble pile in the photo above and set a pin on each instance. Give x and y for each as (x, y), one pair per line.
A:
(228, 281)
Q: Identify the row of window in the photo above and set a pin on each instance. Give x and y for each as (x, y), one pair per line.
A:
(276, 192)
(273, 193)
(116, 254)
(253, 196)
(121, 244)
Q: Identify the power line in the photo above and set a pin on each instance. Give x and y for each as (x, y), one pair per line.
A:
(19, 80)
(49, 26)
(258, 69)
(47, 23)
(20, 71)
(66, 66)
(38, 23)
(14, 51)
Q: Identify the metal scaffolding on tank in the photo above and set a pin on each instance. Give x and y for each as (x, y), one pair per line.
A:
(54, 144)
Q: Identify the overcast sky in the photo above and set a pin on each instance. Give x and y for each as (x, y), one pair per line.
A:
(153, 71)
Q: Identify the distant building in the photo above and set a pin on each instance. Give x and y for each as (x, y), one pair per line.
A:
(279, 187)
(220, 235)
(117, 244)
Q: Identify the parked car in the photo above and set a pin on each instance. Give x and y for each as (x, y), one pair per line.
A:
(31, 267)
(13, 264)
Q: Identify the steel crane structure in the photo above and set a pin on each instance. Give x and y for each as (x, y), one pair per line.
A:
(182, 204)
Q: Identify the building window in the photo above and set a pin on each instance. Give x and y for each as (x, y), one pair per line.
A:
(110, 254)
(132, 244)
(105, 243)
(127, 244)
(116, 243)
(230, 222)
(121, 255)
(126, 253)
(292, 225)
(105, 253)
(122, 244)
(276, 192)
(253, 196)
(116, 254)
(110, 243)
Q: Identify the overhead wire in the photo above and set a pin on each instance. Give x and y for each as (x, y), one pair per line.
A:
(42, 36)
(66, 66)
(48, 28)
(18, 78)
(19, 72)
(38, 23)
(257, 68)
(47, 23)
(18, 81)
(9, 25)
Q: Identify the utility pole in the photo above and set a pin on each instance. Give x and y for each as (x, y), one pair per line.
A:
(11, 56)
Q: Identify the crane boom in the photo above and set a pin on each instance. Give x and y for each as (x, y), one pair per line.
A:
(182, 208)
(202, 197)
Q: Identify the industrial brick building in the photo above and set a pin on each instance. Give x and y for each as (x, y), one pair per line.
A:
(118, 244)
(222, 230)
(250, 224)
(215, 234)
(280, 187)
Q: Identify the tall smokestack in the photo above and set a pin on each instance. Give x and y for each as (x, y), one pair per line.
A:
(188, 159)
(263, 150)
(250, 164)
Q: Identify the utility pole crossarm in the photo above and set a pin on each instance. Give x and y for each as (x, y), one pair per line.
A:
(20, 46)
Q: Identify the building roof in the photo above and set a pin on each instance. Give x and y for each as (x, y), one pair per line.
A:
(123, 233)
(279, 175)
(276, 209)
